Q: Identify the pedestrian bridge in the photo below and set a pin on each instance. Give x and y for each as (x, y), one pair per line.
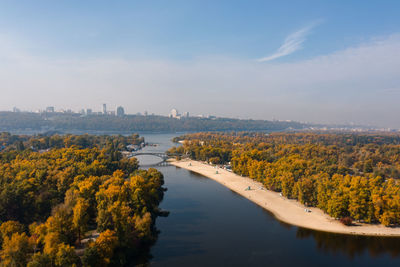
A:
(160, 155)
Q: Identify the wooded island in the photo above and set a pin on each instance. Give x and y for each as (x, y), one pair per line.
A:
(348, 176)
(74, 200)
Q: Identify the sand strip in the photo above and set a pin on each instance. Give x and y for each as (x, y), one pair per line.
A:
(286, 210)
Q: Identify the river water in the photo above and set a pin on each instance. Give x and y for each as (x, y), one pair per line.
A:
(209, 225)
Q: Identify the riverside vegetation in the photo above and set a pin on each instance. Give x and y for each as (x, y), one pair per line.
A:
(74, 200)
(348, 176)
(16, 121)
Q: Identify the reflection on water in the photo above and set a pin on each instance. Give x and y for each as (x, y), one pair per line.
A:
(210, 225)
(148, 160)
(352, 245)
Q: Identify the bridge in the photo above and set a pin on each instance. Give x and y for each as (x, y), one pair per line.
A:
(161, 155)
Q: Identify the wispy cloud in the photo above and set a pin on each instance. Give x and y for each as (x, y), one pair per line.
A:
(292, 43)
(356, 84)
(391, 91)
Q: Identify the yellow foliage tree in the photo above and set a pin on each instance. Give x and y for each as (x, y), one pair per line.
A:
(16, 250)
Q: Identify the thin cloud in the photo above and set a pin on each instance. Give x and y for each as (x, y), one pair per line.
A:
(343, 86)
(292, 43)
(391, 91)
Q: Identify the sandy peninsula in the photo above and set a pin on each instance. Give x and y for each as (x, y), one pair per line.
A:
(286, 210)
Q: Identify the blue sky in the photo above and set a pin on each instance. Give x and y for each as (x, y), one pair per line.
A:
(187, 29)
(244, 59)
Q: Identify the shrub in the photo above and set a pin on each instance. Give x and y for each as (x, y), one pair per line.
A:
(346, 221)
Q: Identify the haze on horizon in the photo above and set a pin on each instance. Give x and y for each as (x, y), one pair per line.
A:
(336, 62)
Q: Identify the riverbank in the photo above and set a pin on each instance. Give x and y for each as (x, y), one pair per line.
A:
(286, 210)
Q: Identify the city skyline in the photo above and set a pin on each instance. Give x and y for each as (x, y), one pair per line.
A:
(176, 114)
(325, 63)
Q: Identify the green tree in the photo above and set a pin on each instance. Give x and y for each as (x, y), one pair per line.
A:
(91, 257)
(40, 260)
(66, 256)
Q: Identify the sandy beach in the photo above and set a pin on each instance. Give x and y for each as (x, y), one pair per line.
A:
(286, 210)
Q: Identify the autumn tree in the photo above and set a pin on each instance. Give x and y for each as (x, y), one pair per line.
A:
(80, 217)
(7, 229)
(15, 250)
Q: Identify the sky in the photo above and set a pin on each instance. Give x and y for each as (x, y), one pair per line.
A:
(335, 62)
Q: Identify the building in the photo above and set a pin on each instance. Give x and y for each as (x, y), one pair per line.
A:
(50, 109)
(104, 109)
(174, 114)
(120, 111)
(89, 111)
(186, 114)
(15, 109)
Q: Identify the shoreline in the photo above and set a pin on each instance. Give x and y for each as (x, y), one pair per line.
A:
(286, 210)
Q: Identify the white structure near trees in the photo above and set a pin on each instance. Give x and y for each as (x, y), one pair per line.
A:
(174, 114)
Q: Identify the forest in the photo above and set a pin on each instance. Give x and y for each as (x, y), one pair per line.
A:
(75, 201)
(350, 176)
(17, 121)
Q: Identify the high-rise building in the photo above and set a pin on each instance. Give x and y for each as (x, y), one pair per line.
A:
(50, 109)
(120, 111)
(174, 113)
(104, 109)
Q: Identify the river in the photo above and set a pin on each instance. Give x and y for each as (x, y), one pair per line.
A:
(210, 225)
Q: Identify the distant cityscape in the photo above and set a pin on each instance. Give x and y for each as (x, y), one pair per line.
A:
(119, 112)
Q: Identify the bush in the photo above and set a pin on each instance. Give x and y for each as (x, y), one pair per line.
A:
(215, 160)
(346, 221)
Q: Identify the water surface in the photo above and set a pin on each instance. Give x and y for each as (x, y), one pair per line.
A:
(210, 225)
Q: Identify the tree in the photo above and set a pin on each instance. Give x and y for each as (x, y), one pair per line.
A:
(38, 233)
(215, 160)
(143, 226)
(51, 242)
(306, 192)
(20, 146)
(368, 166)
(16, 250)
(91, 257)
(40, 260)
(359, 199)
(106, 244)
(66, 256)
(7, 229)
(81, 180)
(287, 182)
(61, 224)
(80, 217)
